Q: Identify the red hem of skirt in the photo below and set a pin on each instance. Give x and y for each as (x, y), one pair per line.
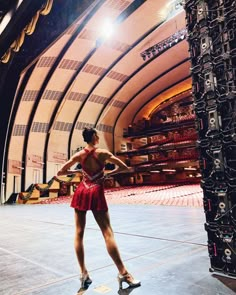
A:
(79, 209)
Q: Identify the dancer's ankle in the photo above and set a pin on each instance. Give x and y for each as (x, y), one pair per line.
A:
(124, 272)
(84, 272)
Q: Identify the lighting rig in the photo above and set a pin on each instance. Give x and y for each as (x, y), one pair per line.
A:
(162, 46)
(211, 27)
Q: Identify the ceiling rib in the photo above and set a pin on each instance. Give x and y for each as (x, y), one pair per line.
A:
(43, 87)
(16, 102)
(141, 90)
(159, 93)
(151, 82)
(128, 79)
(70, 82)
(129, 10)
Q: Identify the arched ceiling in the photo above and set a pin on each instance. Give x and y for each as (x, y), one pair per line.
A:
(84, 79)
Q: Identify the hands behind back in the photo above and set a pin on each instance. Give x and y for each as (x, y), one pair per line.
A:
(59, 173)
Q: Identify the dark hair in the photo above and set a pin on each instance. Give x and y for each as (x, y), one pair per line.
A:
(88, 134)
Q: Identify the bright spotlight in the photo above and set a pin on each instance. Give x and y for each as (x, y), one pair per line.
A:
(107, 28)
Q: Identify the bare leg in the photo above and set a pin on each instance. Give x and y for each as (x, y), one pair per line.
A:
(80, 221)
(103, 220)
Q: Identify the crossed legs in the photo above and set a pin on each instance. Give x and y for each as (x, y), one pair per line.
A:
(103, 220)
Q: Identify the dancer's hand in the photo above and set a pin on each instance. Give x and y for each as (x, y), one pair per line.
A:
(131, 169)
(107, 175)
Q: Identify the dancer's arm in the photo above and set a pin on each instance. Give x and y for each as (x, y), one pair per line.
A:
(121, 166)
(65, 168)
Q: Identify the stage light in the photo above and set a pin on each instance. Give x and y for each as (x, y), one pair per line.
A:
(143, 55)
(177, 6)
(38, 162)
(8, 9)
(148, 54)
(164, 44)
(18, 167)
(107, 28)
(154, 51)
(172, 8)
(190, 168)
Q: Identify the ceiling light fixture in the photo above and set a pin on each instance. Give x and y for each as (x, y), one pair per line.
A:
(160, 47)
(107, 29)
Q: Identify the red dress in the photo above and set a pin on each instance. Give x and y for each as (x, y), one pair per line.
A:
(89, 194)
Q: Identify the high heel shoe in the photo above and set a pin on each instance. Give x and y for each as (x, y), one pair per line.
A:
(126, 291)
(127, 278)
(85, 281)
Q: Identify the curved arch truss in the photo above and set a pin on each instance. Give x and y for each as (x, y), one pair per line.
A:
(86, 79)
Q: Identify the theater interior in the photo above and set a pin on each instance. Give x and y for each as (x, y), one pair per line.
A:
(124, 68)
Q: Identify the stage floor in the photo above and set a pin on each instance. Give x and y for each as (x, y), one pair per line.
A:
(163, 246)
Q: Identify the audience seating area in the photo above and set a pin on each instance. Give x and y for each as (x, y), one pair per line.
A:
(190, 195)
(174, 115)
(168, 157)
(164, 142)
(175, 150)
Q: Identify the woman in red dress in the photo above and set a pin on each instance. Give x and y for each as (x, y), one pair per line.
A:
(89, 195)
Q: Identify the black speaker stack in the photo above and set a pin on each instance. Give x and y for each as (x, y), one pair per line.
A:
(211, 27)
